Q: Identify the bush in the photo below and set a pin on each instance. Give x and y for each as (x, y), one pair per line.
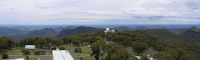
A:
(144, 57)
(62, 48)
(39, 52)
(78, 50)
(27, 57)
(25, 51)
(4, 56)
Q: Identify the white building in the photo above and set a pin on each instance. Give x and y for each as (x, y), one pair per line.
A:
(30, 46)
(61, 55)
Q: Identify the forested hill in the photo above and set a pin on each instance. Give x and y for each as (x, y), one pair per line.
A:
(46, 32)
(43, 33)
(191, 35)
(78, 30)
(124, 45)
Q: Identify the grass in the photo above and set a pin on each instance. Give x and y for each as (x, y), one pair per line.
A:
(31, 58)
(88, 58)
(14, 52)
(86, 50)
(68, 46)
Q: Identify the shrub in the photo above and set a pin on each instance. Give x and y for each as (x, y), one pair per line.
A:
(25, 51)
(78, 50)
(4, 56)
(62, 48)
(39, 52)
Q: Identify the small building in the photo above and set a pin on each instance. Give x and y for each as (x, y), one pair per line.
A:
(61, 55)
(32, 47)
(112, 31)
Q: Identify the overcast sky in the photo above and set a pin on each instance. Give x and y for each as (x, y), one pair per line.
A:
(99, 12)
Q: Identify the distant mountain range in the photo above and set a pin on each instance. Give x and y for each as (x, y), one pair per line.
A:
(122, 28)
(191, 35)
(78, 30)
(188, 35)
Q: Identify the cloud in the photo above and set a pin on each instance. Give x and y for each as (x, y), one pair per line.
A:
(99, 11)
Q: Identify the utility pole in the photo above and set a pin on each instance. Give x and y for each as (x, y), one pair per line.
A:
(100, 48)
(100, 53)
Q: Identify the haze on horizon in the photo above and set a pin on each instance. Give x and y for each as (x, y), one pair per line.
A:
(99, 12)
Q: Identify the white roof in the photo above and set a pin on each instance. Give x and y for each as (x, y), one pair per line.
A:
(107, 30)
(30, 46)
(62, 55)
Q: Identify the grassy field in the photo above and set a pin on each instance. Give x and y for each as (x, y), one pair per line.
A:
(14, 52)
(86, 58)
(85, 49)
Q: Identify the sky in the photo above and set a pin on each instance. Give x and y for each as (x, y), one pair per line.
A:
(58, 12)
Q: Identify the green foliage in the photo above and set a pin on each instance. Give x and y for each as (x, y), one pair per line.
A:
(189, 56)
(6, 43)
(163, 56)
(96, 48)
(78, 50)
(134, 58)
(174, 53)
(169, 46)
(144, 57)
(25, 51)
(139, 47)
(116, 52)
(78, 30)
(4, 56)
(40, 42)
(39, 52)
(61, 48)
(122, 39)
(30, 58)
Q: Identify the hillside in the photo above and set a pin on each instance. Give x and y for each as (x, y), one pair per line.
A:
(122, 28)
(78, 30)
(43, 33)
(186, 36)
(47, 32)
(191, 35)
(161, 33)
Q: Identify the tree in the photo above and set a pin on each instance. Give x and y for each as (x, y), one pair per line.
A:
(78, 50)
(176, 53)
(39, 52)
(189, 56)
(4, 56)
(171, 54)
(144, 57)
(163, 56)
(61, 48)
(25, 51)
(123, 40)
(6, 43)
(100, 43)
(139, 47)
(116, 52)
